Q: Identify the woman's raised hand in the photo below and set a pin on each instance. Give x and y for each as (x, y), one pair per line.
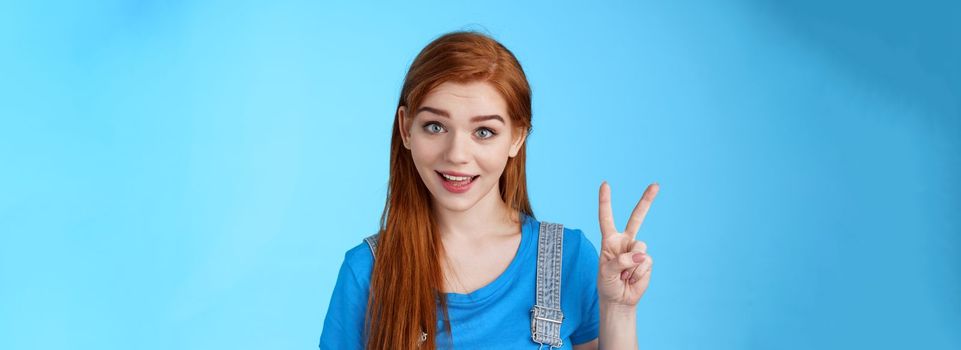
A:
(625, 267)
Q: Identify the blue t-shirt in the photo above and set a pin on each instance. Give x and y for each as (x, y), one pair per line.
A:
(496, 316)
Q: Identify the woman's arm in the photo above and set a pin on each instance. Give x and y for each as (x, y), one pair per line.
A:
(624, 272)
(618, 330)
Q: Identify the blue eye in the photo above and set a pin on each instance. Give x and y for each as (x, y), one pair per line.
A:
(485, 133)
(433, 127)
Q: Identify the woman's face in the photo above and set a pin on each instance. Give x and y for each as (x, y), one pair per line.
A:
(460, 138)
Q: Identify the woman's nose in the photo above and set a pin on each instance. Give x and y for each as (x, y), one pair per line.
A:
(459, 148)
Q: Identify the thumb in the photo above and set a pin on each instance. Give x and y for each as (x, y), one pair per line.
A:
(613, 268)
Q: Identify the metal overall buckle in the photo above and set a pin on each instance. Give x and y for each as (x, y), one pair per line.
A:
(547, 314)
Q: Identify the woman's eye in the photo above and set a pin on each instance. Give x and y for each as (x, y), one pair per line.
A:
(433, 128)
(485, 133)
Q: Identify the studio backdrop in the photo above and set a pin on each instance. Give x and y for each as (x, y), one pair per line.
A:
(189, 174)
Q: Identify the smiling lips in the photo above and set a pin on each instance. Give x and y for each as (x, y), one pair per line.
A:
(455, 182)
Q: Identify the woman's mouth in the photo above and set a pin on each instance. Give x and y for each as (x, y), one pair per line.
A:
(456, 183)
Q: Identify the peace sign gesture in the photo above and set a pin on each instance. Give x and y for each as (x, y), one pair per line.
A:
(624, 270)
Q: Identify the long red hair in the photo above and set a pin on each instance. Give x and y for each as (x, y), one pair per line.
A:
(406, 282)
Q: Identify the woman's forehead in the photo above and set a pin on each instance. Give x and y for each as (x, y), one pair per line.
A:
(465, 100)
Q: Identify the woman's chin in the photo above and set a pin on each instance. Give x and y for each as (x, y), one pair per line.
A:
(456, 204)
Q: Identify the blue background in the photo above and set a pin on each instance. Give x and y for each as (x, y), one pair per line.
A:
(188, 174)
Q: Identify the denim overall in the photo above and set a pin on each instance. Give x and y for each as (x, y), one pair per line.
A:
(546, 315)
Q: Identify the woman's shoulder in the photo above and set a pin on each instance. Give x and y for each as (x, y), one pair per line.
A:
(360, 253)
(360, 260)
(580, 259)
(575, 240)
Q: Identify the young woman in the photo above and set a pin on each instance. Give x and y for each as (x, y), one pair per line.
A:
(460, 261)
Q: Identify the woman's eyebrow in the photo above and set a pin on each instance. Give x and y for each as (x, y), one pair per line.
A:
(443, 113)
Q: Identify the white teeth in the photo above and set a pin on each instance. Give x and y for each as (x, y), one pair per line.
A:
(456, 178)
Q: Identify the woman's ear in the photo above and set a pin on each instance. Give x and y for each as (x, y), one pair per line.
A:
(402, 125)
(519, 138)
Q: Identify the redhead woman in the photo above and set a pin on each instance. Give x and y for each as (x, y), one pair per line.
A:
(460, 261)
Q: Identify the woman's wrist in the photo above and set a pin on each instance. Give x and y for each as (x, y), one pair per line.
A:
(618, 310)
(618, 326)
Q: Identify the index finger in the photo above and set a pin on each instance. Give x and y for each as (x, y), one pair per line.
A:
(640, 211)
(604, 215)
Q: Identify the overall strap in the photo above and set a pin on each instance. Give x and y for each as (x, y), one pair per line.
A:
(546, 316)
(372, 243)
